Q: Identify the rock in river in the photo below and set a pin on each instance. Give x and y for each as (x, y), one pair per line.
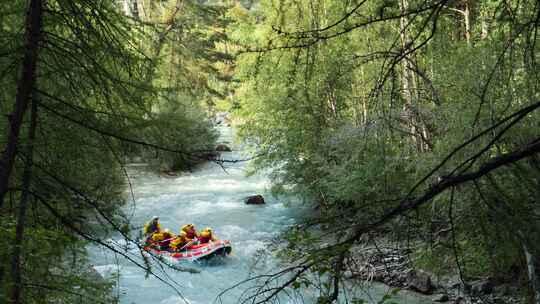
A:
(419, 281)
(482, 287)
(223, 148)
(254, 200)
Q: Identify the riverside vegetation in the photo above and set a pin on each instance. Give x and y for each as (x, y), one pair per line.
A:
(87, 85)
(415, 122)
(410, 125)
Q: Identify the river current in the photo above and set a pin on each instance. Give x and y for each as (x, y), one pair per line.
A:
(211, 196)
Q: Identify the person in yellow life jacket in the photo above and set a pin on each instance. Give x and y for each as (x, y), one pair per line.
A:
(206, 236)
(190, 231)
(152, 227)
(167, 234)
(163, 239)
(179, 242)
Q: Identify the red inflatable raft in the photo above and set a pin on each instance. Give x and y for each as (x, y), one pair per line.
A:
(196, 252)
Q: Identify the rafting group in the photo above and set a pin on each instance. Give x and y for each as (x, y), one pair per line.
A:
(165, 240)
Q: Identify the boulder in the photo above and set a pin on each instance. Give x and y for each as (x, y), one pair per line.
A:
(440, 298)
(254, 200)
(419, 280)
(168, 173)
(223, 148)
(481, 287)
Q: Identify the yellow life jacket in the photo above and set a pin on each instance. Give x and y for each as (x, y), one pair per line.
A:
(158, 237)
(178, 242)
(206, 236)
(151, 227)
(167, 235)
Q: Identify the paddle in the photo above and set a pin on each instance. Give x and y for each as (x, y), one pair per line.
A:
(188, 244)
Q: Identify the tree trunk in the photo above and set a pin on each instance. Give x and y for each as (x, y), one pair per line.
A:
(484, 17)
(25, 86)
(136, 10)
(407, 76)
(466, 12)
(531, 268)
(16, 271)
(531, 271)
(467, 17)
(485, 29)
(131, 8)
(141, 10)
(127, 8)
(363, 96)
(406, 80)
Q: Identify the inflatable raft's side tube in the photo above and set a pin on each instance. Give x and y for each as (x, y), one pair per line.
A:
(200, 251)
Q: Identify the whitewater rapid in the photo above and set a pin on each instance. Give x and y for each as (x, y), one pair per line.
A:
(210, 196)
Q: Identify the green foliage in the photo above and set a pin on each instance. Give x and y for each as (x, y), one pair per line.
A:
(350, 121)
(55, 268)
(198, 138)
(108, 87)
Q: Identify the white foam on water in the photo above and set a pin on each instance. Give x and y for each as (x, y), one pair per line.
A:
(207, 197)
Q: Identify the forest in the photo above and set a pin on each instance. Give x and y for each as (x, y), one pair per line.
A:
(409, 128)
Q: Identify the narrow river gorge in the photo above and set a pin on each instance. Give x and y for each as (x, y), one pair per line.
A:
(210, 196)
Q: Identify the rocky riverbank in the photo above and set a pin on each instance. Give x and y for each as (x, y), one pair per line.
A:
(392, 265)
